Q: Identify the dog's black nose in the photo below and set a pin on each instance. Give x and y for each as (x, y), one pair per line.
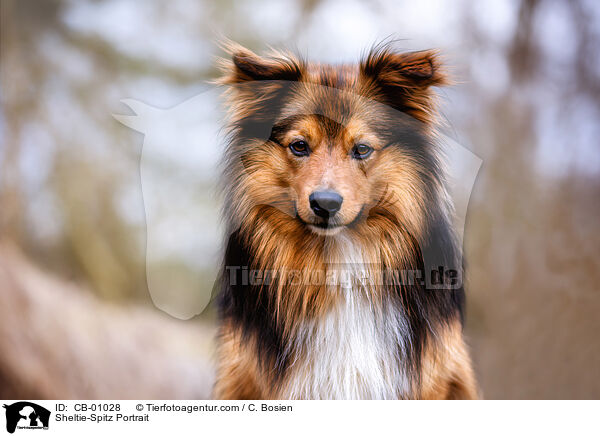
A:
(325, 203)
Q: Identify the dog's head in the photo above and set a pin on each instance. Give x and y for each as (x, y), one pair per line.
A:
(335, 148)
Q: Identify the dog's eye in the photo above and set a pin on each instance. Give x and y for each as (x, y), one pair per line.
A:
(299, 148)
(361, 151)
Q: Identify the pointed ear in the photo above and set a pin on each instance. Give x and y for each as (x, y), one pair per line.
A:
(257, 88)
(247, 66)
(403, 80)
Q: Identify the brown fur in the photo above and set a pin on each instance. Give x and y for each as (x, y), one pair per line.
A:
(386, 211)
(447, 372)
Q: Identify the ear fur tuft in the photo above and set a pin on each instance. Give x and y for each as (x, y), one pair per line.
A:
(246, 66)
(403, 80)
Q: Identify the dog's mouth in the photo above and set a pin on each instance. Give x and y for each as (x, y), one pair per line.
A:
(328, 227)
(325, 225)
(322, 226)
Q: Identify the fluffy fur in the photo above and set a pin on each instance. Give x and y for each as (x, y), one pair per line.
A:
(325, 309)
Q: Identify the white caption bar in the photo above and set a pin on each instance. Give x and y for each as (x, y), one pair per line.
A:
(298, 417)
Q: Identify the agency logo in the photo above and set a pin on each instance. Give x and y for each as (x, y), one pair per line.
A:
(178, 193)
(26, 415)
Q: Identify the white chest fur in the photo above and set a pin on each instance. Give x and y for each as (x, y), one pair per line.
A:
(354, 352)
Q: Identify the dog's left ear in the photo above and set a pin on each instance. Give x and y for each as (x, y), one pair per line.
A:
(403, 80)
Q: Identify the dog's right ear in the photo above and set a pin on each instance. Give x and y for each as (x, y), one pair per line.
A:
(257, 87)
(246, 66)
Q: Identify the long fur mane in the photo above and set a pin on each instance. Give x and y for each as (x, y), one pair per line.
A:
(397, 233)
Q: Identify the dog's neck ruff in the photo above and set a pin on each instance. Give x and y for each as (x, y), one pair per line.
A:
(355, 350)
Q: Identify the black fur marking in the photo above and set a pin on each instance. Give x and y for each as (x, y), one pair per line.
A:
(258, 122)
(250, 309)
(428, 309)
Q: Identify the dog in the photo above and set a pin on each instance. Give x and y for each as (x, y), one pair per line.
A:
(333, 172)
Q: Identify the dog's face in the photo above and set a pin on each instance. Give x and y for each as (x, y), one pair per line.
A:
(341, 147)
(330, 168)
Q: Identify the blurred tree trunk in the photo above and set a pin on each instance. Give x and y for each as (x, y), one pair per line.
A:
(11, 217)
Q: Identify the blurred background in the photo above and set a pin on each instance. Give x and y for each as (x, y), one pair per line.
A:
(76, 317)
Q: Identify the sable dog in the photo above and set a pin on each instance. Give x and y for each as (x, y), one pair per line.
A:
(333, 172)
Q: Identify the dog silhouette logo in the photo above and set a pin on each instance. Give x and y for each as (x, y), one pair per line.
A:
(26, 415)
(180, 162)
